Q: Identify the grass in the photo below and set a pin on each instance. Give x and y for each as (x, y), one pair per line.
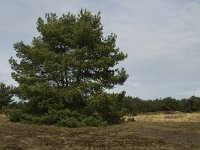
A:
(169, 117)
(157, 131)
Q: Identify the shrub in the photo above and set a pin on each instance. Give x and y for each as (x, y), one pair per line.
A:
(71, 122)
(64, 117)
(6, 94)
(103, 109)
(93, 122)
(45, 119)
(106, 106)
(13, 115)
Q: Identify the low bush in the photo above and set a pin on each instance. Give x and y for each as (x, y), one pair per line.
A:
(101, 109)
(70, 122)
(13, 115)
(64, 117)
(93, 122)
(105, 105)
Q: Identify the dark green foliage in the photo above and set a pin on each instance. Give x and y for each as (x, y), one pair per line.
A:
(68, 62)
(63, 117)
(13, 114)
(71, 122)
(6, 94)
(93, 122)
(169, 104)
(105, 106)
(193, 104)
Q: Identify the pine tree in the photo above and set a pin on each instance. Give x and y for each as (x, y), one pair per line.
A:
(67, 63)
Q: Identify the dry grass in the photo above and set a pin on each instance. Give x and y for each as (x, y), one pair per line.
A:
(138, 135)
(171, 117)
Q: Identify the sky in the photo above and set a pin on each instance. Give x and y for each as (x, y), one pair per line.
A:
(161, 38)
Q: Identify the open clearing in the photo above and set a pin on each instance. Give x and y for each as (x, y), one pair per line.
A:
(149, 132)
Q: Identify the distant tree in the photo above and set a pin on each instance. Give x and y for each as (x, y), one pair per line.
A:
(69, 62)
(169, 104)
(6, 94)
(193, 104)
(129, 106)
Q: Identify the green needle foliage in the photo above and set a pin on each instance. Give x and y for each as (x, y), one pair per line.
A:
(6, 94)
(69, 62)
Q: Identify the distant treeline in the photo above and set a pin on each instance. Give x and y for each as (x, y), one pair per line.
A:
(135, 105)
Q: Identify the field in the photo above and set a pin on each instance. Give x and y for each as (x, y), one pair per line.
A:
(152, 131)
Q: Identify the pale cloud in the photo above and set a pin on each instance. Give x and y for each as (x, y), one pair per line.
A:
(135, 85)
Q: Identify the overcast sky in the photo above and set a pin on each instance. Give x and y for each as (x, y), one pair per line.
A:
(161, 37)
